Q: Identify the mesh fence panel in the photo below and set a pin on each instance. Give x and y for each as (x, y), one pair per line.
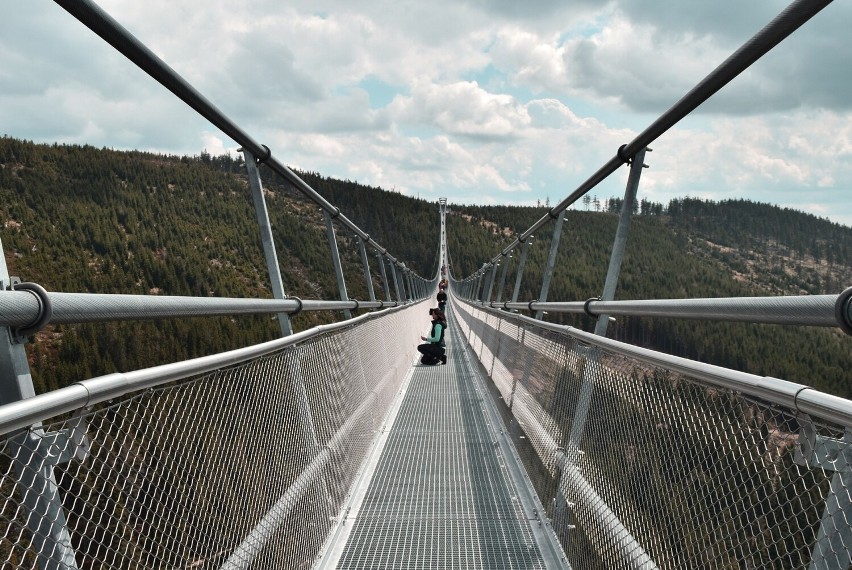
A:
(228, 469)
(642, 467)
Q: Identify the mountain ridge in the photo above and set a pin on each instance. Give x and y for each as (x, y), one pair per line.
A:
(81, 219)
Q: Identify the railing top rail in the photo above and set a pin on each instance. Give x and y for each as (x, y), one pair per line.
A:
(802, 310)
(799, 397)
(788, 21)
(22, 308)
(24, 413)
(93, 17)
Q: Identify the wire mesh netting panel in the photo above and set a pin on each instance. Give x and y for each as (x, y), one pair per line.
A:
(441, 494)
(242, 468)
(642, 467)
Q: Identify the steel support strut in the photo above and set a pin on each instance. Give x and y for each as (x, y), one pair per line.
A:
(383, 270)
(267, 239)
(366, 263)
(396, 282)
(521, 264)
(335, 259)
(590, 365)
(551, 261)
(35, 453)
(591, 360)
(503, 273)
(491, 279)
(621, 234)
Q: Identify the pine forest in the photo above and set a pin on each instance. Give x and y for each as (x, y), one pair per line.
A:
(82, 219)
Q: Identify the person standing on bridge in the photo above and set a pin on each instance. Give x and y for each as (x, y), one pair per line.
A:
(433, 350)
(442, 299)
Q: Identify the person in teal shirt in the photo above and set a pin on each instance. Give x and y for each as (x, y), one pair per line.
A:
(433, 349)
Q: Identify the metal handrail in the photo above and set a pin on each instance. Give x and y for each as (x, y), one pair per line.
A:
(784, 24)
(797, 396)
(24, 413)
(802, 310)
(20, 308)
(94, 18)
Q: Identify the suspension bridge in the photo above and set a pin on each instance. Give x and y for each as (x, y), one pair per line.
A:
(536, 445)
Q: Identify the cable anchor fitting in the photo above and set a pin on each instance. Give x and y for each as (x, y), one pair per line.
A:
(298, 309)
(265, 157)
(45, 310)
(843, 311)
(586, 306)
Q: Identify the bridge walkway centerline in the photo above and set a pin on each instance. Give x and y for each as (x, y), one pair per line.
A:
(443, 487)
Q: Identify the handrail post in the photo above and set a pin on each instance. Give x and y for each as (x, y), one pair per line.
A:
(335, 259)
(578, 426)
(592, 357)
(621, 234)
(410, 282)
(385, 285)
(395, 281)
(34, 454)
(491, 280)
(267, 239)
(479, 277)
(403, 283)
(506, 258)
(521, 264)
(551, 261)
(367, 276)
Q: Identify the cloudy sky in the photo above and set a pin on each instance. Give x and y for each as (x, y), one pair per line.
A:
(481, 101)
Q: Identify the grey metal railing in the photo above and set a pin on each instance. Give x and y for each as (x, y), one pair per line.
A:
(123, 41)
(21, 308)
(801, 310)
(240, 460)
(787, 22)
(822, 310)
(236, 460)
(105, 495)
(101, 23)
(652, 461)
(669, 463)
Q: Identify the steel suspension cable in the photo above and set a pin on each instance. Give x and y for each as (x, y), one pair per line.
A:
(97, 20)
(788, 21)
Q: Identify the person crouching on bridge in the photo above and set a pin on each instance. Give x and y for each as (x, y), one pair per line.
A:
(433, 349)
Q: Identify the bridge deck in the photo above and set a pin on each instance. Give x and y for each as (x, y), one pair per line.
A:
(443, 489)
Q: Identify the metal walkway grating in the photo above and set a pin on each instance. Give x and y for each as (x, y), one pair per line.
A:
(441, 495)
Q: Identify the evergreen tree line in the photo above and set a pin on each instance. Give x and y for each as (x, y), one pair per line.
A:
(672, 256)
(81, 219)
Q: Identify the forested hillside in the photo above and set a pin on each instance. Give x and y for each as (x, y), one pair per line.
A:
(689, 249)
(81, 219)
